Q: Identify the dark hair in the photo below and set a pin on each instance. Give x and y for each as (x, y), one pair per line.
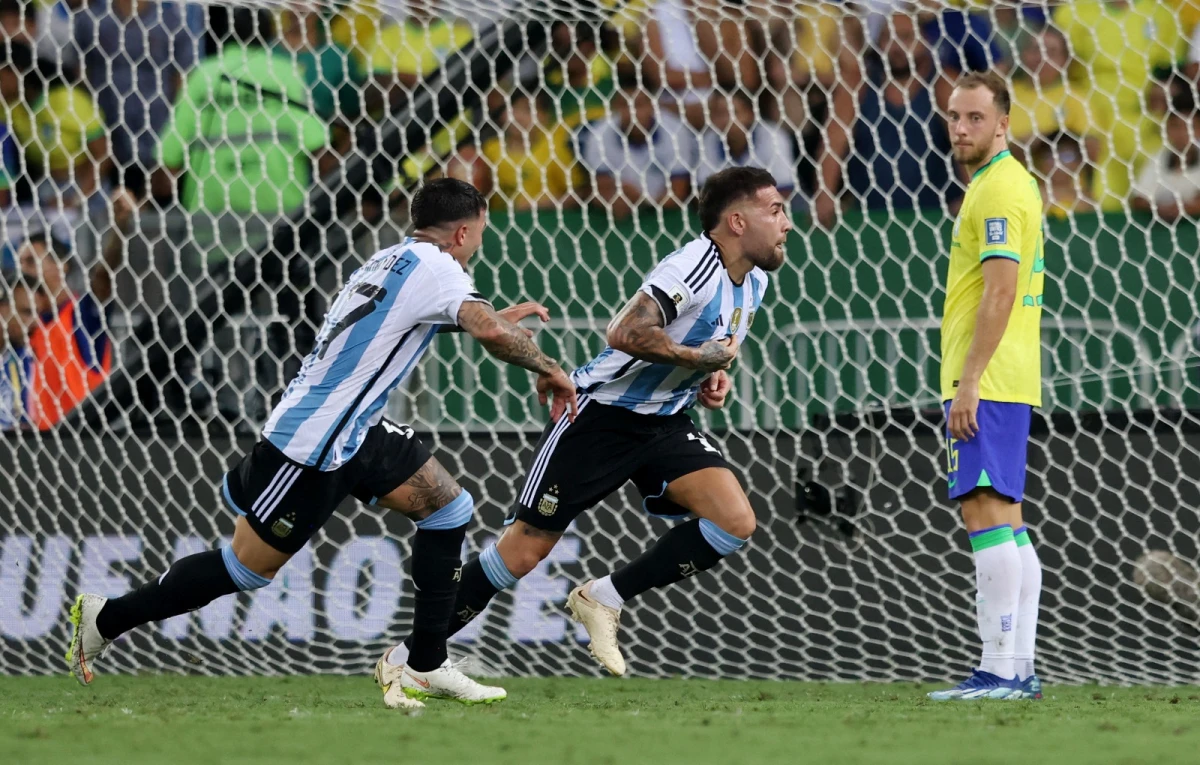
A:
(1183, 102)
(18, 55)
(14, 8)
(250, 26)
(445, 200)
(728, 187)
(992, 82)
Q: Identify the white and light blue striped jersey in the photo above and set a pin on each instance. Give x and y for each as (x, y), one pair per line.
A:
(700, 303)
(375, 332)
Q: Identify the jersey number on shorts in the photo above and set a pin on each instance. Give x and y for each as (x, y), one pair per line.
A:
(703, 442)
(374, 293)
(951, 456)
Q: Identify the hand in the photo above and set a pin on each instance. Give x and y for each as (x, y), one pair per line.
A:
(515, 313)
(124, 205)
(963, 409)
(825, 209)
(559, 385)
(717, 354)
(1168, 212)
(714, 390)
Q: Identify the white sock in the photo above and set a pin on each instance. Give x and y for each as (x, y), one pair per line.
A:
(398, 656)
(1027, 608)
(998, 590)
(603, 592)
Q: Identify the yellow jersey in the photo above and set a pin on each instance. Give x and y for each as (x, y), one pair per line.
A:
(1043, 111)
(56, 128)
(547, 168)
(416, 49)
(1001, 217)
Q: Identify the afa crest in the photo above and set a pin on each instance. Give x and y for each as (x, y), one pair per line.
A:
(549, 502)
(735, 320)
(284, 526)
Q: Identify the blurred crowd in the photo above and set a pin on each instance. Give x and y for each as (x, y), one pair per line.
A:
(108, 107)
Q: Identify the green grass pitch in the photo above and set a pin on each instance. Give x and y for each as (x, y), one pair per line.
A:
(322, 719)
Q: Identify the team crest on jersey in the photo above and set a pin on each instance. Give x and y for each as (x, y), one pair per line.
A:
(750, 319)
(677, 294)
(284, 526)
(549, 502)
(735, 320)
(996, 230)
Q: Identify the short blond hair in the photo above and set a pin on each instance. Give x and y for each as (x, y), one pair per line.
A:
(992, 82)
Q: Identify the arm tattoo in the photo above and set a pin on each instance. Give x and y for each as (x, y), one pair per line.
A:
(639, 331)
(503, 339)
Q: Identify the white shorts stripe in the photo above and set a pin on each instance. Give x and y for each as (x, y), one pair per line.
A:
(280, 474)
(269, 500)
(542, 459)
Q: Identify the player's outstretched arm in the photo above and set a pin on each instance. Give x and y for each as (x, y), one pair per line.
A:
(639, 330)
(510, 343)
(502, 338)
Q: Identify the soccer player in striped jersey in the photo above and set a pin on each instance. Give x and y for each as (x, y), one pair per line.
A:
(991, 380)
(668, 349)
(327, 440)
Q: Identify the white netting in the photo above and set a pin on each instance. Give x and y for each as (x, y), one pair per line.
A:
(266, 160)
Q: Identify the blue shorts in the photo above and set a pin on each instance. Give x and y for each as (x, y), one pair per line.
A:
(996, 456)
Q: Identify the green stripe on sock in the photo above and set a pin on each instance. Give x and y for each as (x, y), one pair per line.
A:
(991, 538)
(1023, 538)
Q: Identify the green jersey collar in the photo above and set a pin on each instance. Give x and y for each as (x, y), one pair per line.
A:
(994, 160)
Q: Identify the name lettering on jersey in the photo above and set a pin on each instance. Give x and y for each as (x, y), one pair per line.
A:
(677, 294)
(549, 502)
(996, 230)
(735, 320)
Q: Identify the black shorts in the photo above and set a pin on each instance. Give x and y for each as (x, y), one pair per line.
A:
(286, 503)
(576, 465)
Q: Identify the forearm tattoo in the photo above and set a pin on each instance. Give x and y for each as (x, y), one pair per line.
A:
(503, 339)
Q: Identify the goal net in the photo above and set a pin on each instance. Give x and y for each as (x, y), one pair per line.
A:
(270, 149)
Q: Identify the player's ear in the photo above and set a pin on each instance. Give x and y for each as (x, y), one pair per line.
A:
(737, 222)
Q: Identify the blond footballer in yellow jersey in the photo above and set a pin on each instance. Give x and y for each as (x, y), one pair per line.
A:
(991, 380)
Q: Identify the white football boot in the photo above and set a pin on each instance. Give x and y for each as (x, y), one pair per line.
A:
(601, 623)
(447, 682)
(86, 642)
(387, 677)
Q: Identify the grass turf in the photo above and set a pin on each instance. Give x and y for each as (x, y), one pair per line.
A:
(298, 720)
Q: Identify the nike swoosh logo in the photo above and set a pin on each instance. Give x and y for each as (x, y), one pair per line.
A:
(420, 682)
(386, 687)
(953, 482)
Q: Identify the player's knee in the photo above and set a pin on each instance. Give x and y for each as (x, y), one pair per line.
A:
(452, 515)
(521, 553)
(242, 575)
(740, 524)
(520, 560)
